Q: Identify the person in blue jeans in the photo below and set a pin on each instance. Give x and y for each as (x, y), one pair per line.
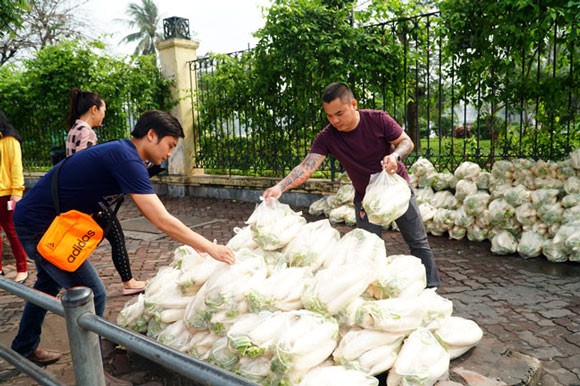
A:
(92, 181)
(364, 142)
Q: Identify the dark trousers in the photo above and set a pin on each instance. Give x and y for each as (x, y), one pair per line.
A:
(413, 231)
(116, 238)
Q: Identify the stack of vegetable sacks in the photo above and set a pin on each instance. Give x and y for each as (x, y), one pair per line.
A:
(304, 306)
(527, 207)
(337, 207)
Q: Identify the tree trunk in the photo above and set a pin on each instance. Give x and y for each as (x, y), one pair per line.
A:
(411, 126)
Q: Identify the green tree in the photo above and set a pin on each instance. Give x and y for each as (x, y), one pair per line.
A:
(504, 54)
(11, 12)
(45, 23)
(145, 19)
(36, 96)
(304, 46)
(422, 68)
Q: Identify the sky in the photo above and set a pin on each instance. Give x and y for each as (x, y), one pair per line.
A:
(220, 26)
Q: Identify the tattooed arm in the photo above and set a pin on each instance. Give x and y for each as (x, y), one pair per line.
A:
(403, 146)
(296, 177)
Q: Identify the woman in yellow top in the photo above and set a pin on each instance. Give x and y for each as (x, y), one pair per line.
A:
(11, 189)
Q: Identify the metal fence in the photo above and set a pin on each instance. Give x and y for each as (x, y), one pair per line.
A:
(450, 122)
(82, 327)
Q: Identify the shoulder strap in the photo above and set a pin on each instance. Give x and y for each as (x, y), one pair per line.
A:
(56, 202)
(113, 215)
(54, 187)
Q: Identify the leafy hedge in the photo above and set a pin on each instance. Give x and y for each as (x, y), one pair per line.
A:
(36, 95)
(515, 66)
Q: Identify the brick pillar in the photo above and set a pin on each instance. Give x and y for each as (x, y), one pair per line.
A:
(174, 55)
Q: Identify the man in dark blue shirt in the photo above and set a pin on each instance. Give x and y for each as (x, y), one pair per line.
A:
(91, 181)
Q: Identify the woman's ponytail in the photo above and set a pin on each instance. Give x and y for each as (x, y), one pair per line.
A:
(80, 103)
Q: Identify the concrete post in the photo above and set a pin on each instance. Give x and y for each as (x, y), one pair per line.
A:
(174, 55)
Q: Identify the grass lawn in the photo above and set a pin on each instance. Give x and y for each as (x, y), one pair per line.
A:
(443, 145)
(438, 151)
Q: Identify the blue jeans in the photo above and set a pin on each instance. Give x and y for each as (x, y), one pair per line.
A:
(51, 280)
(413, 231)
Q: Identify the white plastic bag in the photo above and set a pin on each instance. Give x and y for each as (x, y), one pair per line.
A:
(242, 239)
(311, 245)
(274, 224)
(402, 276)
(358, 247)
(459, 335)
(282, 290)
(195, 268)
(255, 334)
(333, 288)
(395, 315)
(308, 340)
(318, 207)
(575, 159)
(421, 361)
(386, 198)
(372, 352)
(337, 376)
(467, 171)
(504, 243)
(530, 244)
(133, 315)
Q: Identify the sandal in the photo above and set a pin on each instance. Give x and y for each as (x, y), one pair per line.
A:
(134, 291)
(21, 277)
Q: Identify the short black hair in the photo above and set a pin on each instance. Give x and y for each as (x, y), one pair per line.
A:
(337, 90)
(162, 123)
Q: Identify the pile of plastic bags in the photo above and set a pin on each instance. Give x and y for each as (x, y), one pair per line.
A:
(309, 308)
(531, 208)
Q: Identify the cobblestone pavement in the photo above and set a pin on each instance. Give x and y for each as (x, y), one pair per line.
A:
(529, 306)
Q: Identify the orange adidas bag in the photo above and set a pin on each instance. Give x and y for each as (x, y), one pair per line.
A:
(72, 236)
(70, 240)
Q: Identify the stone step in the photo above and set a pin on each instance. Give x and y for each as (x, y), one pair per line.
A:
(490, 363)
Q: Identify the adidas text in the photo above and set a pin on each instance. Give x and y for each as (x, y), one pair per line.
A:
(79, 246)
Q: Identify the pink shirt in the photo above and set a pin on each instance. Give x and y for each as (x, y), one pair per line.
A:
(79, 137)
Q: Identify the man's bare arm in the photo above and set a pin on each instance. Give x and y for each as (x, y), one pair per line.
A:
(297, 176)
(302, 172)
(403, 146)
(154, 210)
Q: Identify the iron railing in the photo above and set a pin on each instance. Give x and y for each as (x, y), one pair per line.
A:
(82, 328)
(450, 122)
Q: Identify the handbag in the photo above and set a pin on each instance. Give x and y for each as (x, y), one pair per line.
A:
(72, 236)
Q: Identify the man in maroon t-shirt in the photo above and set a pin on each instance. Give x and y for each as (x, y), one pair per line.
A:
(364, 142)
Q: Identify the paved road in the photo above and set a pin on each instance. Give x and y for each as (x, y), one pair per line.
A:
(529, 306)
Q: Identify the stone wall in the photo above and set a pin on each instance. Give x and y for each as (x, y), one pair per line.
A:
(241, 188)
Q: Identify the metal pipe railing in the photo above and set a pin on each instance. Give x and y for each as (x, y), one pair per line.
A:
(183, 364)
(84, 344)
(24, 365)
(31, 295)
(18, 361)
(83, 328)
